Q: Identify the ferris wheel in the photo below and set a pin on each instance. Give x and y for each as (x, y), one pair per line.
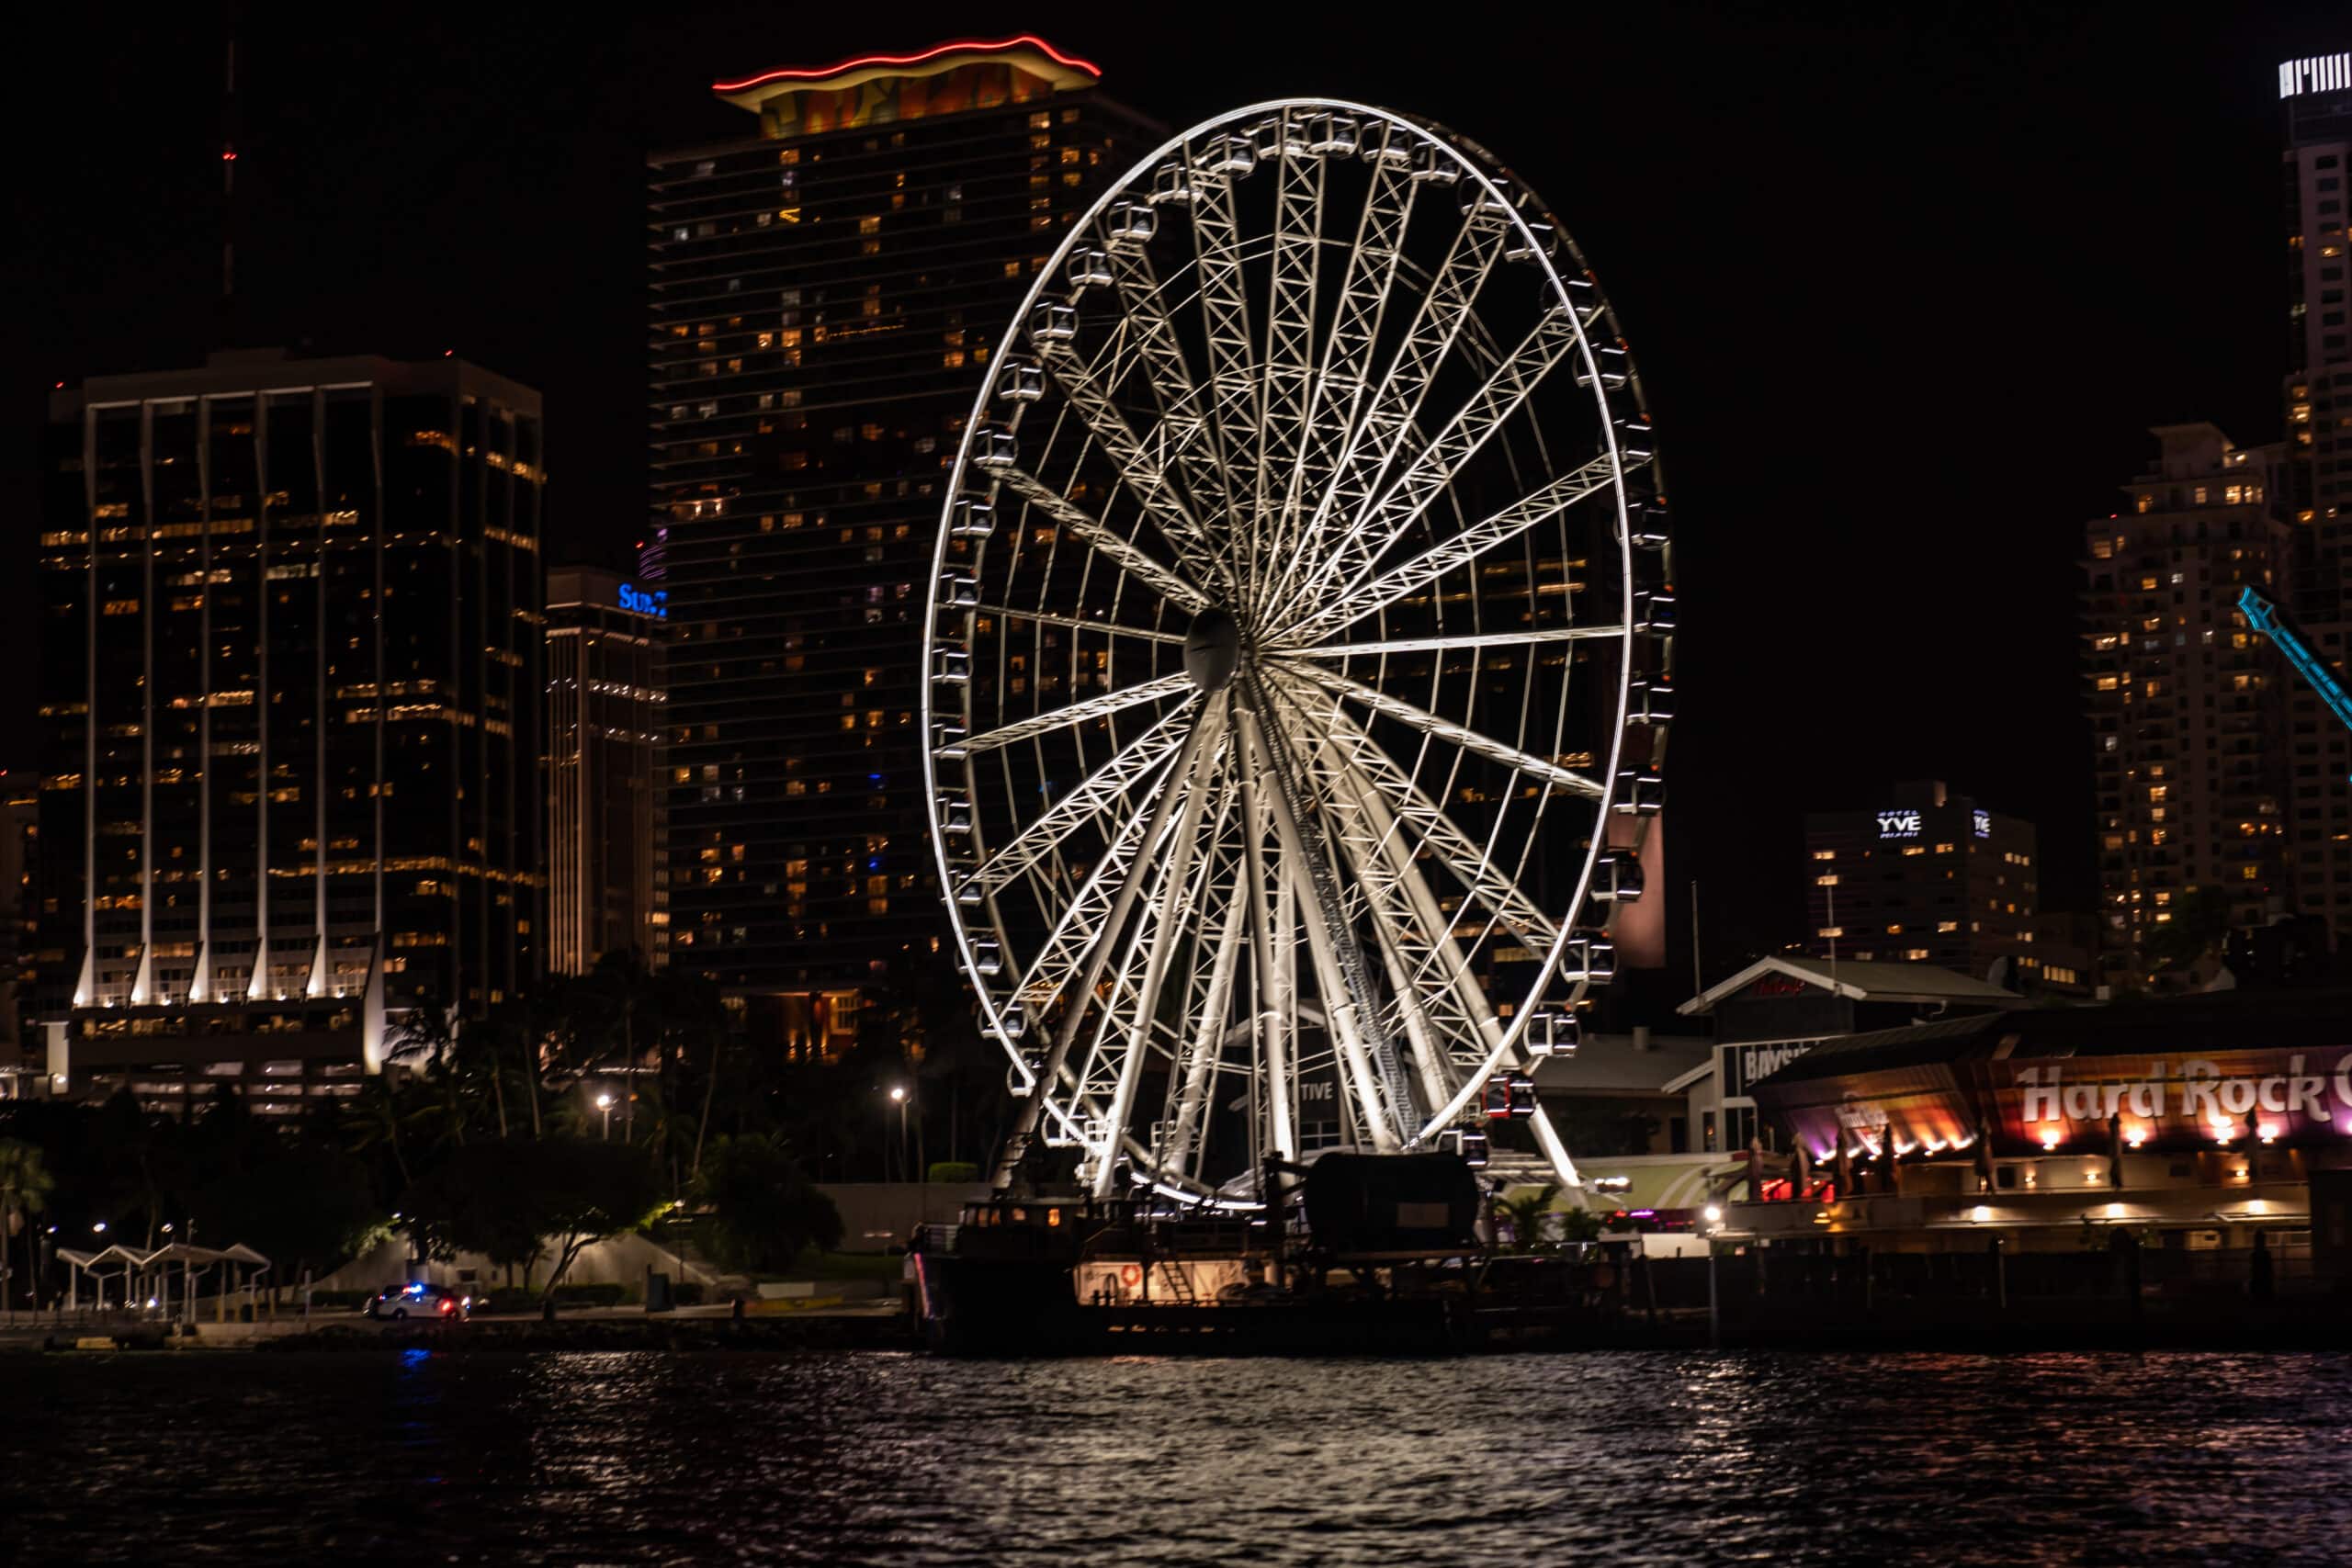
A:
(1299, 656)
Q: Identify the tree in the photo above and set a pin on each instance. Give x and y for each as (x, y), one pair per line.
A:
(375, 1119)
(593, 1191)
(513, 1200)
(481, 1197)
(301, 1205)
(764, 1210)
(1527, 1213)
(25, 1187)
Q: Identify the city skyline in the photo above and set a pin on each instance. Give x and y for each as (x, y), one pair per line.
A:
(1742, 281)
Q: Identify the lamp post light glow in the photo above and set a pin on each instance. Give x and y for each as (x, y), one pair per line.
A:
(604, 1104)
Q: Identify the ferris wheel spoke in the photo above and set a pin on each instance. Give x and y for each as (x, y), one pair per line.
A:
(1357, 548)
(1078, 623)
(1400, 947)
(1071, 964)
(1197, 556)
(1224, 315)
(1127, 555)
(1088, 801)
(1289, 354)
(1434, 972)
(1195, 1073)
(1442, 644)
(1549, 772)
(1338, 391)
(1185, 431)
(1084, 712)
(1179, 898)
(1419, 574)
(1387, 422)
(1471, 864)
(1373, 1075)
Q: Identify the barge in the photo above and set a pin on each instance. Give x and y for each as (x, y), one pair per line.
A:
(1369, 1256)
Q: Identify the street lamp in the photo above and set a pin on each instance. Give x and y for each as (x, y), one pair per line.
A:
(604, 1104)
(98, 1229)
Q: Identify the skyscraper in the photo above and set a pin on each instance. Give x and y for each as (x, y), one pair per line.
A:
(606, 890)
(2316, 476)
(825, 297)
(2185, 703)
(290, 715)
(1923, 876)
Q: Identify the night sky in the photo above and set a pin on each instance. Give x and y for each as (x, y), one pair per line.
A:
(1907, 285)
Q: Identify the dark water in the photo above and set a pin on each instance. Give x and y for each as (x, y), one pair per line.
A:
(1646, 1459)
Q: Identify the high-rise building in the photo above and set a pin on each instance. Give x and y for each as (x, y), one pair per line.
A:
(22, 1063)
(2314, 481)
(826, 294)
(608, 891)
(1923, 876)
(2186, 701)
(290, 672)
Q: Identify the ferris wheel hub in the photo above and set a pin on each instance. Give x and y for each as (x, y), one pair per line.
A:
(1213, 650)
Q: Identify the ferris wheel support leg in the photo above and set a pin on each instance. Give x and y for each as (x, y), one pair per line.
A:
(1444, 951)
(1339, 1006)
(1176, 903)
(1076, 998)
(1557, 1154)
(1420, 1035)
(1207, 1040)
(1266, 980)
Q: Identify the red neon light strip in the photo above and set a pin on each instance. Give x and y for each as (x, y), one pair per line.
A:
(803, 76)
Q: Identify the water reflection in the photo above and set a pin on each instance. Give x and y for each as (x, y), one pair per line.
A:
(641, 1456)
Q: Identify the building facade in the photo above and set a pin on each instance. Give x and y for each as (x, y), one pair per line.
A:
(826, 293)
(22, 1060)
(2188, 705)
(607, 889)
(2314, 480)
(2190, 1125)
(290, 671)
(1777, 1009)
(1923, 877)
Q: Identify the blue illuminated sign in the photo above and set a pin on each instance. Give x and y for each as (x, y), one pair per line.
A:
(655, 602)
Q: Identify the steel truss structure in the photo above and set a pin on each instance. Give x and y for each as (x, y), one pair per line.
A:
(1300, 651)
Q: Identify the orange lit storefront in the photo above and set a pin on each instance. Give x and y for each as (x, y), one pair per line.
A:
(2194, 1124)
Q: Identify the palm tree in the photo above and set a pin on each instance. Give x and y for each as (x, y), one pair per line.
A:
(25, 1187)
(1527, 1213)
(375, 1117)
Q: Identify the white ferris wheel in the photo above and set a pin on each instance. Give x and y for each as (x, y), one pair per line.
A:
(1300, 648)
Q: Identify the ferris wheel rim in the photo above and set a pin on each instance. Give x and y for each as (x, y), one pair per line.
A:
(1472, 164)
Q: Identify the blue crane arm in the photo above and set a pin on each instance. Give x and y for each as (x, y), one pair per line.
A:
(2279, 627)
